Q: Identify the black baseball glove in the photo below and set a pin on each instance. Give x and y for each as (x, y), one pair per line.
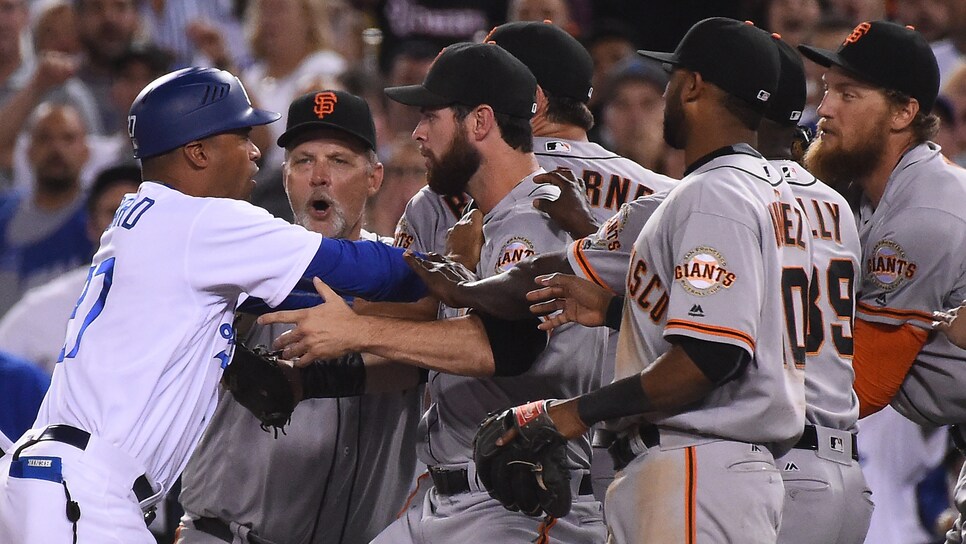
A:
(530, 473)
(259, 383)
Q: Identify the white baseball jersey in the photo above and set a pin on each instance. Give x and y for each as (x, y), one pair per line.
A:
(152, 330)
(830, 400)
(725, 258)
(611, 180)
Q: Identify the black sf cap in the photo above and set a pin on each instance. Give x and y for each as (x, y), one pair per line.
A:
(329, 109)
(472, 74)
(559, 62)
(788, 101)
(886, 55)
(736, 56)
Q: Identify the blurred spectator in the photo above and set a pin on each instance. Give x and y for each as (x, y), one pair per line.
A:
(794, 20)
(35, 327)
(106, 29)
(43, 234)
(14, 72)
(22, 389)
(555, 11)
(896, 454)
(55, 29)
(828, 34)
(409, 67)
(609, 42)
(948, 135)
(440, 23)
(954, 90)
(857, 11)
(138, 65)
(171, 24)
(936, 20)
(633, 116)
(292, 47)
(405, 175)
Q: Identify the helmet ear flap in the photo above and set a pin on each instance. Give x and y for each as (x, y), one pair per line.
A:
(187, 105)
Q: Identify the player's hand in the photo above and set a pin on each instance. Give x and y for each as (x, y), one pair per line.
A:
(444, 278)
(577, 301)
(953, 326)
(325, 331)
(464, 240)
(563, 414)
(572, 209)
(53, 69)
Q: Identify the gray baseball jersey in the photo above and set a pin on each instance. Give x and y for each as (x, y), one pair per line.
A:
(913, 244)
(351, 461)
(826, 495)
(426, 219)
(611, 180)
(725, 258)
(569, 366)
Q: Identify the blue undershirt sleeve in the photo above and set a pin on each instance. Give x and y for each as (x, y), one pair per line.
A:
(370, 270)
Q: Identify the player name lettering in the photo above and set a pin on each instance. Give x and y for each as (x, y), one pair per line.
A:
(824, 218)
(616, 192)
(788, 223)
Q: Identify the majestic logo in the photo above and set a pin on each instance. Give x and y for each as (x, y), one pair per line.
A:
(888, 265)
(857, 33)
(560, 147)
(704, 272)
(515, 250)
(325, 103)
(696, 311)
(791, 467)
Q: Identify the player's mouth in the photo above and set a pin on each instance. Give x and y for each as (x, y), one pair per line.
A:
(319, 208)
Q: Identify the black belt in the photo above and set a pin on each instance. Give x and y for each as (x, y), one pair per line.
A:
(221, 530)
(455, 481)
(809, 441)
(72, 436)
(620, 449)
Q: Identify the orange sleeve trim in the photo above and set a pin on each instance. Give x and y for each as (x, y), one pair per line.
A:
(585, 266)
(883, 356)
(715, 331)
(906, 315)
(412, 494)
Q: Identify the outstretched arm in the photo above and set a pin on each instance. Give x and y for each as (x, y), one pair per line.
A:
(371, 270)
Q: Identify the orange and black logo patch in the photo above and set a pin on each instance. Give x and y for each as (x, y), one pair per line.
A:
(325, 103)
(857, 33)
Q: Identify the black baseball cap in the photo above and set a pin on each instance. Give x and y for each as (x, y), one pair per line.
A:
(886, 55)
(472, 74)
(329, 109)
(788, 100)
(559, 62)
(738, 57)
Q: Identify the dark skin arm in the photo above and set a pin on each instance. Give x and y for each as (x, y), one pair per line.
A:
(571, 210)
(503, 295)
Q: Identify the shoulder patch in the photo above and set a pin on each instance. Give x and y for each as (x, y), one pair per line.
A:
(704, 271)
(557, 146)
(888, 265)
(514, 250)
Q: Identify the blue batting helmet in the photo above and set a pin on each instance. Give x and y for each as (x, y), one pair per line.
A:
(188, 105)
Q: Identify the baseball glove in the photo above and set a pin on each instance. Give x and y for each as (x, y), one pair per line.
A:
(530, 473)
(258, 382)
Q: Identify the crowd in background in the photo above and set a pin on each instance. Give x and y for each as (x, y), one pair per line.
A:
(69, 71)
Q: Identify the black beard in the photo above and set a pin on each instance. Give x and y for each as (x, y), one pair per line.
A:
(673, 125)
(450, 175)
(839, 168)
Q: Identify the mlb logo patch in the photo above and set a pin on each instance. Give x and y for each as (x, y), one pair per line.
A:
(764, 95)
(559, 147)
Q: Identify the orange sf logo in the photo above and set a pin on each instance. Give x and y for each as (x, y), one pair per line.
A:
(325, 103)
(857, 33)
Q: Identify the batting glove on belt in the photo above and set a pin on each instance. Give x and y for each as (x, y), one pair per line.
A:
(259, 383)
(530, 473)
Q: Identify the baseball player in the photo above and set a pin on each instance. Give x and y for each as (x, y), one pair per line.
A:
(874, 130)
(350, 459)
(152, 329)
(712, 343)
(827, 500)
(564, 70)
(476, 103)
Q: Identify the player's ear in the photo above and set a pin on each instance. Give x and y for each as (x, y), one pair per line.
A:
(904, 114)
(375, 178)
(195, 153)
(482, 120)
(692, 87)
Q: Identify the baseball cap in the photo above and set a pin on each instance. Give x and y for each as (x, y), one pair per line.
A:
(329, 109)
(736, 56)
(473, 74)
(886, 55)
(559, 62)
(788, 101)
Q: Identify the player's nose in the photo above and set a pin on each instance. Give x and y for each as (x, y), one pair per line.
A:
(254, 153)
